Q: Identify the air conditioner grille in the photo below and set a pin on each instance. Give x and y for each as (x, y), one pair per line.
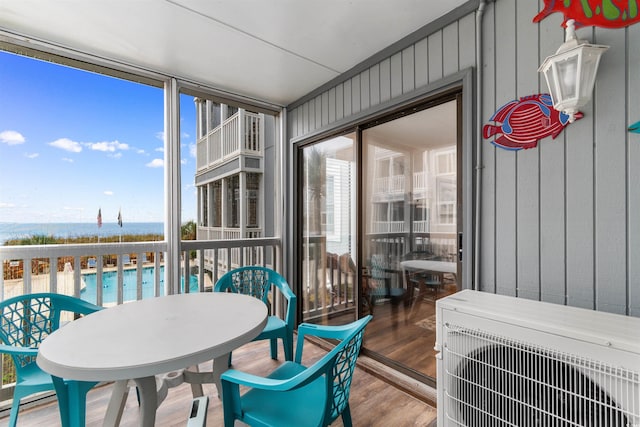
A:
(498, 381)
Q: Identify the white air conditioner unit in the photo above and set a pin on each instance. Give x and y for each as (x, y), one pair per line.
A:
(505, 361)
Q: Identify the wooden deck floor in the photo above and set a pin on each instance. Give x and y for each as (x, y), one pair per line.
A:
(373, 402)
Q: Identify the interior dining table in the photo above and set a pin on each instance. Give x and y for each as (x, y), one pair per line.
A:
(421, 269)
(140, 340)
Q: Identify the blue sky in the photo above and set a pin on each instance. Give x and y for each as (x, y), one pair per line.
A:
(72, 142)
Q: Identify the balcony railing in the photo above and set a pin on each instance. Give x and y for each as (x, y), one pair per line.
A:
(389, 184)
(389, 187)
(227, 233)
(242, 133)
(113, 273)
(61, 268)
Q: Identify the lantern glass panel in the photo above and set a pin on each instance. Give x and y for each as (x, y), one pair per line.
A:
(589, 67)
(551, 76)
(567, 77)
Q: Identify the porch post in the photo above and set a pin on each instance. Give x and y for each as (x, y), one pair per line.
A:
(172, 186)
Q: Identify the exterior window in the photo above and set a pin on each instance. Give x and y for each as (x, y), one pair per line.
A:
(446, 187)
(202, 118)
(327, 215)
(230, 111)
(446, 163)
(420, 212)
(205, 206)
(253, 200)
(397, 211)
(214, 115)
(216, 205)
(233, 201)
(397, 166)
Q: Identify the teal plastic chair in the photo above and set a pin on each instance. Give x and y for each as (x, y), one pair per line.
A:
(25, 321)
(258, 282)
(380, 284)
(295, 395)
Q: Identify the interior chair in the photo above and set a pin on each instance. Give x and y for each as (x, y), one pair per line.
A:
(296, 395)
(380, 283)
(25, 321)
(259, 282)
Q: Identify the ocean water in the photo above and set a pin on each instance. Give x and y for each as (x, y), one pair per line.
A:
(13, 230)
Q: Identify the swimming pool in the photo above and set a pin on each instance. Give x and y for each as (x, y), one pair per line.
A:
(110, 285)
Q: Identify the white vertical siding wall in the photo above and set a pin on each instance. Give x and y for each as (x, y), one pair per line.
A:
(560, 222)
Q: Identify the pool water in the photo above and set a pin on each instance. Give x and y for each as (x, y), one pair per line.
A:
(110, 285)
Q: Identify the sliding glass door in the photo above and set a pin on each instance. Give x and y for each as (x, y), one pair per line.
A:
(409, 244)
(379, 219)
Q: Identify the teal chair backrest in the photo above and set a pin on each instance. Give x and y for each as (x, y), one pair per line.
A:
(339, 364)
(257, 282)
(26, 320)
(295, 394)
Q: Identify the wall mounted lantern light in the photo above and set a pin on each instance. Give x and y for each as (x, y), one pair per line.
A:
(571, 72)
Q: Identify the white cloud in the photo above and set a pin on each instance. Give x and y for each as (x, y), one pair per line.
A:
(140, 151)
(193, 149)
(67, 145)
(68, 160)
(115, 156)
(108, 193)
(11, 137)
(107, 146)
(31, 155)
(183, 161)
(160, 136)
(156, 163)
(7, 205)
(70, 208)
(160, 149)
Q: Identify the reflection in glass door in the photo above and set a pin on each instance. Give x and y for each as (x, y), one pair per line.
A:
(410, 194)
(328, 224)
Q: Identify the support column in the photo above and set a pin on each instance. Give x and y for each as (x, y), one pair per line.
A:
(172, 186)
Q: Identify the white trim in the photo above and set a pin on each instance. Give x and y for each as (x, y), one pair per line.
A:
(172, 186)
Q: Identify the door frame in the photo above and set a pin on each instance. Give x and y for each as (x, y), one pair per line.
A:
(461, 83)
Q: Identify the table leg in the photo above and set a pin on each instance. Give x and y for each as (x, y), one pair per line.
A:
(220, 364)
(148, 400)
(116, 403)
(418, 299)
(196, 389)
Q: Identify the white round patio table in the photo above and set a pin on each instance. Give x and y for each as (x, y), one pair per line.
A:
(141, 339)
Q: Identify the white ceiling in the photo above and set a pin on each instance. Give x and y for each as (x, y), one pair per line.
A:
(270, 50)
(427, 129)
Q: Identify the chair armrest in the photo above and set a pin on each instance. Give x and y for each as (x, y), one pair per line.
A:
(250, 380)
(339, 332)
(299, 380)
(18, 351)
(324, 331)
(85, 307)
(290, 315)
(71, 304)
(287, 292)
